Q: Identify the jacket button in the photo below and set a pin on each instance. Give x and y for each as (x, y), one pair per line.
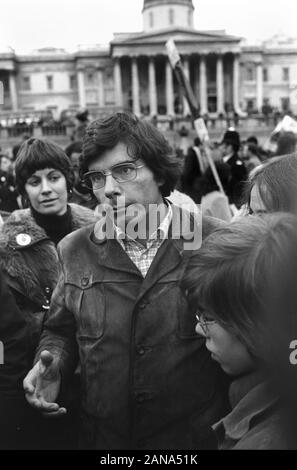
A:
(140, 398)
(140, 350)
(142, 305)
(85, 281)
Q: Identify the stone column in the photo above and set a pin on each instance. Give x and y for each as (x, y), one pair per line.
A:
(13, 91)
(203, 86)
(169, 90)
(236, 84)
(118, 82)
(135, 87)
(259, 86)
(186, 65)
(153, 88)
(81, 88)
(220, 85)
(101, 102)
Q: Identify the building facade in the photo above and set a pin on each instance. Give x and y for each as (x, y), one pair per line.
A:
(133, 71)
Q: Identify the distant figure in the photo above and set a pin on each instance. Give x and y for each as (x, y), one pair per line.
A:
(195, 166)
(80, 194)
(214, 203)
(251, 156)
(286, 143)
(252, 140)
(8, 193)
(83, 120)
(230, 146)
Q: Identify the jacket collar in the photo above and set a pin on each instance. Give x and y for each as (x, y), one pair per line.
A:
(250, 396)
(168, 257)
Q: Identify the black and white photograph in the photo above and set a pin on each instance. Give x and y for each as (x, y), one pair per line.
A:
(150, 315)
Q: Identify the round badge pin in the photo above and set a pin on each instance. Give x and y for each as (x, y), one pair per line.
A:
(23, 239)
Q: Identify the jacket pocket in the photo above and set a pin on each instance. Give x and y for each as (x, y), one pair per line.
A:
(91, 312)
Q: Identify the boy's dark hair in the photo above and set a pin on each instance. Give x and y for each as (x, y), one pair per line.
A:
(143, 141)
(244, 276)
(38, 154)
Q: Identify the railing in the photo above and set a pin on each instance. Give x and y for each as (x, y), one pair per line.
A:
(10, 132)
(17, 131)
(54, 130)
(164, 123)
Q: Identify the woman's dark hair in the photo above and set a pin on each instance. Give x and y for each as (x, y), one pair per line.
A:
(37, 154)
(143, 141)
(208, 182)
(276, 182)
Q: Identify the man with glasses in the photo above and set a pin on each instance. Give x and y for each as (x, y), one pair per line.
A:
(148, 382)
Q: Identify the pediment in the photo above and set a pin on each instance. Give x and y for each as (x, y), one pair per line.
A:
(179, 35)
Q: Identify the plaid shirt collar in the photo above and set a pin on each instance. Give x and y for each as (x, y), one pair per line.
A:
(160, 234)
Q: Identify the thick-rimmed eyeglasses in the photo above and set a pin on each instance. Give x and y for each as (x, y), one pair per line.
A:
(203, 322)
(122, 173)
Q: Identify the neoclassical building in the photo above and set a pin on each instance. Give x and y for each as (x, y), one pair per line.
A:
(133, 71)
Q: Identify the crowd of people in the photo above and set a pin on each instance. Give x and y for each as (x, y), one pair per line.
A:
(147, 304)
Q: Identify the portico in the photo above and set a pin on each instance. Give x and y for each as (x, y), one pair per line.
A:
(145, 83)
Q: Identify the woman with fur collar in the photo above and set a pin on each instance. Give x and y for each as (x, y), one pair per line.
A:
(29, 237)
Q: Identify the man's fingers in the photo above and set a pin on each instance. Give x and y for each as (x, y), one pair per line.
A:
(29, 381)
(55, 414)
(40, 404)
(28, 386)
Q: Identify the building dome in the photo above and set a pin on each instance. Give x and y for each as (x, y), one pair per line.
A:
(162, 14)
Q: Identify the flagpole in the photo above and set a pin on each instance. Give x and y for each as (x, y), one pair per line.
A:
(199, 124)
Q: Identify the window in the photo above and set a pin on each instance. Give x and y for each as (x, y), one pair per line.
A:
(285, 74)
(250, 74)
(49, 82)
(265, 75)
(250, 105)
(90, 78)
(72, 82)
(285, 104)
(26, 83)
(108, 78)
(151, 19)
(171, 16)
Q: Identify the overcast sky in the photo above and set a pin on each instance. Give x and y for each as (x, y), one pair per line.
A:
(30, 24)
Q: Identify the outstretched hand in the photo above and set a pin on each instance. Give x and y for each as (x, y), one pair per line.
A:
(42, 385)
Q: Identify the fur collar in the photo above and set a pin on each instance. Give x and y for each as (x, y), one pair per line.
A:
(28, 256)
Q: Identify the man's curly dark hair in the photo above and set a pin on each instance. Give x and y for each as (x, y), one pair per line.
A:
(143, 141)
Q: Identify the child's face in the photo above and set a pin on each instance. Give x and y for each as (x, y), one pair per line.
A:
(226, 348)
